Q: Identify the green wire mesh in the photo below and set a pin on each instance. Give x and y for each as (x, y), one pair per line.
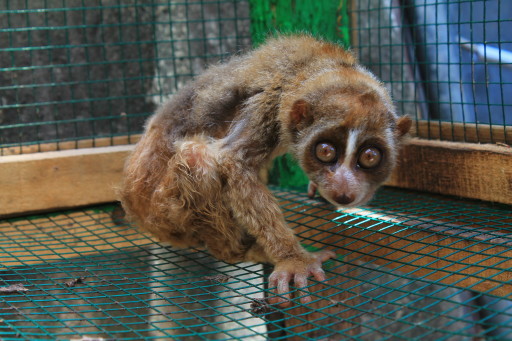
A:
(73, 70)
(86, 273)
(448, 63)
(410, 266)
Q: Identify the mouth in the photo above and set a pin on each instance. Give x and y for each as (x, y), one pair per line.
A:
(342, 206)
(344, 201)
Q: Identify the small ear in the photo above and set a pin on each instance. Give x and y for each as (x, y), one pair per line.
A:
(404, 124)
(299, 114)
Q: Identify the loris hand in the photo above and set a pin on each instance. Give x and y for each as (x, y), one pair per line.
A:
(297, 271)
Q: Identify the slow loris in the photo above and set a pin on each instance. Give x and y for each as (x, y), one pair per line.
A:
(193, 181)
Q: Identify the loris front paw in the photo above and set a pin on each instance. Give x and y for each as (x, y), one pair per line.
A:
(297, 271)
(312, 187)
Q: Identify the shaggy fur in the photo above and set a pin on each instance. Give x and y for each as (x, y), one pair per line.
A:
(193, 180)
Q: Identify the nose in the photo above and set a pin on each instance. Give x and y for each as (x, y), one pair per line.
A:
(344, 199)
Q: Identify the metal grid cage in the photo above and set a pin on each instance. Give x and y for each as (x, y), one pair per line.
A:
(448, 63)
(86, 273)
(411, 266)
(75, 70)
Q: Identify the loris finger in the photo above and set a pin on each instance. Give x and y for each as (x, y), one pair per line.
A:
(318, 274)
(281, 282)
(301, 282)
(324, 255)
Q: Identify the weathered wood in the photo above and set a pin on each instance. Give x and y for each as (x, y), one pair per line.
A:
(461, 169)
(79, 177)
(67, 145)
(463, 132)
(55, 180)
(52, 180)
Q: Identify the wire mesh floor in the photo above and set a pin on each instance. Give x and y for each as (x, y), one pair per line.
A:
(411, 267)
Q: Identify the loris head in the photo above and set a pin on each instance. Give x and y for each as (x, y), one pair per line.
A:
(346, 135)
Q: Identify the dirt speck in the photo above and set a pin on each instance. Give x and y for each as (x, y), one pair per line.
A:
(74, 282)
(13, 288)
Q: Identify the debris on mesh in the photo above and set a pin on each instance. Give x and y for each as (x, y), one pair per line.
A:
(337, 303)
(260, 306)
(13, 288)
(218, 278)
(75, 281)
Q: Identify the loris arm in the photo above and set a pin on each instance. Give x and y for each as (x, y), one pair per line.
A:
(246, 148)
(255, 208)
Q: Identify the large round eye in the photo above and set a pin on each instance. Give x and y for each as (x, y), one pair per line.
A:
(369, 157)
(325, 152)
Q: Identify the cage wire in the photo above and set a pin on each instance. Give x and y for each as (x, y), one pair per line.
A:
(87, 273)
(88, 73)
(448, 63)
(411, 266)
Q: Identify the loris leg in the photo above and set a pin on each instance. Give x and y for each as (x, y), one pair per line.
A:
(189, 202)
(255, 209)
(188, 188)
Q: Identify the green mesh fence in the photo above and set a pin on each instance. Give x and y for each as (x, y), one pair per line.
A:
(86, 273)
(73, 70)
(448, 63)
(410, 266)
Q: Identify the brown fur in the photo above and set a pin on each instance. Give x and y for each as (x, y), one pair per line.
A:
(193, 180)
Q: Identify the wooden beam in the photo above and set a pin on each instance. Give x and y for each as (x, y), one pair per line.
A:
(68, 145)
(56, 180)
(461, 169)
(463, 132)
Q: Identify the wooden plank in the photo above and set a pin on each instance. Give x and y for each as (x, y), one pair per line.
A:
(67, 145)
(79, 177)
(466, 170)
(463, 132)
(55, 180)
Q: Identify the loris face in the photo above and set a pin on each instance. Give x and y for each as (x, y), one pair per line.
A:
(348, 163)
(348, 145)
